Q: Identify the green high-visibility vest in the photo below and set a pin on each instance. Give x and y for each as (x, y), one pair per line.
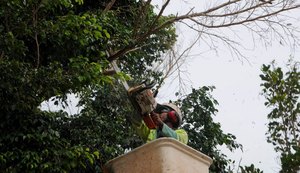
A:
(150, 134)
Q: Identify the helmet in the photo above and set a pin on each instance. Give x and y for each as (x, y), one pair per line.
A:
(176, 109)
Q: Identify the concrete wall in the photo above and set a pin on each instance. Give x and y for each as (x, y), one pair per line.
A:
(164, 155)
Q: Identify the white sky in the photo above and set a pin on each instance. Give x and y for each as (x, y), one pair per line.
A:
(241, 107)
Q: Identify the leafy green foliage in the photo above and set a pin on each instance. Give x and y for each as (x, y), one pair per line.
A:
(282, 92)
(250, 169)
(206, 135)
(33, 143)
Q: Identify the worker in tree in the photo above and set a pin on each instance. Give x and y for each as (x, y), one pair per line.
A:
(167, 118)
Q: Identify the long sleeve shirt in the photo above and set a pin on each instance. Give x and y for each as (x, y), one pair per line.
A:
(150, 134)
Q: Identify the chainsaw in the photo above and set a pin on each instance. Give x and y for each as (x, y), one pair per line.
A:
(142, 98)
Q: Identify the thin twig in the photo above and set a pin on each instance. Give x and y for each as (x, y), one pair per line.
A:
(108, 6)
(35, 21)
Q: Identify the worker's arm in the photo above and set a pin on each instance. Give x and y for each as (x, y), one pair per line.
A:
(167, 131)
(179, 134)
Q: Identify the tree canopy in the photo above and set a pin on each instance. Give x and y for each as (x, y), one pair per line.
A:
(282, 91)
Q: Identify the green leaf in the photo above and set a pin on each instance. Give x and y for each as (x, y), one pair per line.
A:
(106, 33)
(97, 154)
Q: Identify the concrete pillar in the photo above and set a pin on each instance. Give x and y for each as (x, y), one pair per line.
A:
(164, 155)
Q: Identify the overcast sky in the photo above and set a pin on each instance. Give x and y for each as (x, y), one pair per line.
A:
(241, 107)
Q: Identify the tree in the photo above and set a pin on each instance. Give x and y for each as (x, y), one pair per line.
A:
(282, 91)
(206, 135)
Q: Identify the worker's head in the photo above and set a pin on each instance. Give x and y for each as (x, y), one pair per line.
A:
(170, 113)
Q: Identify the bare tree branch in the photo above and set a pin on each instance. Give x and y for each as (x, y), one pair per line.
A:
(35, 21)
(109, 5)
(243, 21)
(160, 13)
(262, 18)
(259, 11)
(173, 61)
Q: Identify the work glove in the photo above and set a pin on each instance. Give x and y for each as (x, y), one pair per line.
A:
(157, 120)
